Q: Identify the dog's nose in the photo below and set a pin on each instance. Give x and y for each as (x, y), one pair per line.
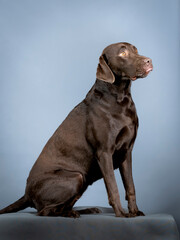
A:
(148, 60)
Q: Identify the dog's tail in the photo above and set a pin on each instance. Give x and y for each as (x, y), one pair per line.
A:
(20, 204)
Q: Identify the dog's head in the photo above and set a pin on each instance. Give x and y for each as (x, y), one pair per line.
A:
(122, 59)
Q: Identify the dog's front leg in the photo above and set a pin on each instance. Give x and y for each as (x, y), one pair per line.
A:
(106, 166)
(126, 174)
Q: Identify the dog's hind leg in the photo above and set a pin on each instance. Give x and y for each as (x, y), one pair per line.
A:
(57, 194)
(63, 210)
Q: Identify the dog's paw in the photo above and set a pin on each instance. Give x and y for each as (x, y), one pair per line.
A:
(94, 210)
(71, 214)
(122, 214)
(89, 211)
(139, 213)
(135, 214)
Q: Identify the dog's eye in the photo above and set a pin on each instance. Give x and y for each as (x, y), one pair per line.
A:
(122, 54)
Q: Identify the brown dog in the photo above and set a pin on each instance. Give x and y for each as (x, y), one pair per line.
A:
(96, 137)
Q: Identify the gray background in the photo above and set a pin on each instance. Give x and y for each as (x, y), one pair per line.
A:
(49, 53)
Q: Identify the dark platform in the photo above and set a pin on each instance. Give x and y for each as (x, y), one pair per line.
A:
(28, 226)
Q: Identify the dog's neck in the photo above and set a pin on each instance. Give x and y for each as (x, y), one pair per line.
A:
(119, 87)
(119, 90)
(123, 85)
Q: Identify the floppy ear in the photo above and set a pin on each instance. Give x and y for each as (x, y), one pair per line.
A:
(104, 72)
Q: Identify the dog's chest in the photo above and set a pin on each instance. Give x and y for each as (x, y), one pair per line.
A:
(126, 124)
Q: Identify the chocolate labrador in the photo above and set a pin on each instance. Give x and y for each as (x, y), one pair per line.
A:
(96, 137)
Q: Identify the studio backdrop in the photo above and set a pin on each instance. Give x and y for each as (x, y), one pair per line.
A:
(49, 52)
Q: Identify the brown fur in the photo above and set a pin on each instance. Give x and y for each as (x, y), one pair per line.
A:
(96, 137)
